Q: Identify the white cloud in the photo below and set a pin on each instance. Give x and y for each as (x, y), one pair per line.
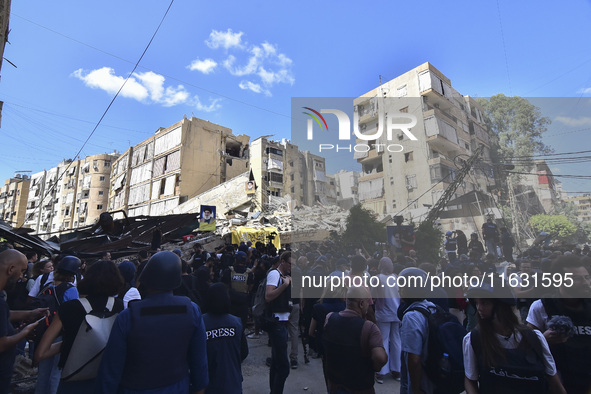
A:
(214, 105)
(584, 91)
(147, 88)
(574, 122)
(225, 39)
(105, 79)
(255, 87)
(263, 61)
(206, 66)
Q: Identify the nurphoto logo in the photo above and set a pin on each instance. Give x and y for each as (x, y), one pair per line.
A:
(391, 122)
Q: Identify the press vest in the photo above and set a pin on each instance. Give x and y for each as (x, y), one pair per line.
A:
(522, 370)
(239, 280)
(572, 357)
(167, 323)
(346, 365)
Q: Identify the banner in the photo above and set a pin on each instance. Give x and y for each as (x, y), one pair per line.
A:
(245, 234)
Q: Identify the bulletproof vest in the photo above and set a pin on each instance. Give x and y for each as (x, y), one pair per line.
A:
(521, 371)
(346, 365)
(239, 280)
(158, 363)
(451, 245)
(572, 357)
(281, 303)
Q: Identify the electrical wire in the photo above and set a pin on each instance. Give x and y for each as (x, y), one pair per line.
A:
(52, 188)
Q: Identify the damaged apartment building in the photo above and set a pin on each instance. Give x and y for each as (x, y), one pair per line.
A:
(176, 164)
(71, 195)
(397, 171)
(281, 170)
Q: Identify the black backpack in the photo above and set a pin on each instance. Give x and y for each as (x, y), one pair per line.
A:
(50, 297)
(445, 357)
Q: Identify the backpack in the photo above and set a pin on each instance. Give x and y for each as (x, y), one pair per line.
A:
(259, 304)
(261, 310)
(446, 336)
(87, 350)
(50, 297)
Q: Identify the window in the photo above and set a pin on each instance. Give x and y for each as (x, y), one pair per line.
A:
(99, 207)
(407, 157)
(107, 163)
(291, 177)
(394, 204)
(102, 179)
(291, 163)
(274, 177)
(274, 151)
(411, 182)
(292, 189)
(100, 193)
(401, 91)
(404, 110)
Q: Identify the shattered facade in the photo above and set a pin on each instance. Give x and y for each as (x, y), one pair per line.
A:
(176, 164)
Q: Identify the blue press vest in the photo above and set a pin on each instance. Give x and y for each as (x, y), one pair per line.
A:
(167, 323)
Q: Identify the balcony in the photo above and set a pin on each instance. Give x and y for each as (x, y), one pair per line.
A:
(371, 176)
(442, 136)
(442, 160)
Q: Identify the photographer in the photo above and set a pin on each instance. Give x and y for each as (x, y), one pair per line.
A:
(278, 295)
(450, 245)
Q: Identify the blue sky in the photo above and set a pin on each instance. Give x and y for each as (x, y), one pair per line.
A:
(239, 64)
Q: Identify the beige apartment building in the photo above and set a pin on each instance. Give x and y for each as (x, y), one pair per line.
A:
(280, 170)
(68, 196)
(176, 164)
(407, 173)
(13, 200)
(41, 203)
(583, 204)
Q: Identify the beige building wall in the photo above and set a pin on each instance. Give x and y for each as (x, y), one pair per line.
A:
(13, 200)
(92, 193)
(583, 204)
(176, 164)
(449, 128)
(36, 193)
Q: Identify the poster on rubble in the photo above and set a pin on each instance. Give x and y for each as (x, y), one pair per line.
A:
(207, 218)
(264, 235)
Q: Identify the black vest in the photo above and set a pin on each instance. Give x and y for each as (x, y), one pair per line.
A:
(346, 366)
(281, 303)
(522, 370)
(572, 357)
(161, 331)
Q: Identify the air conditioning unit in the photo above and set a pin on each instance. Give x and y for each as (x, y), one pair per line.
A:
(409, 187)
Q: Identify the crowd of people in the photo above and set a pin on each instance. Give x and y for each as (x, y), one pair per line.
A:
(197, 313)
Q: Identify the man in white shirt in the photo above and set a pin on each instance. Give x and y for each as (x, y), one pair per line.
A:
(278, 295)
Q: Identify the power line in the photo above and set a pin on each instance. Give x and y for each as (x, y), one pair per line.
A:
(552, 175)
(107, 109)
(504, 47)
(145, 68)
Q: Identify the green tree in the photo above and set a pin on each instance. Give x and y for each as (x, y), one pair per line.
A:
(557, 225)
(519, 126)
(363, 229)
